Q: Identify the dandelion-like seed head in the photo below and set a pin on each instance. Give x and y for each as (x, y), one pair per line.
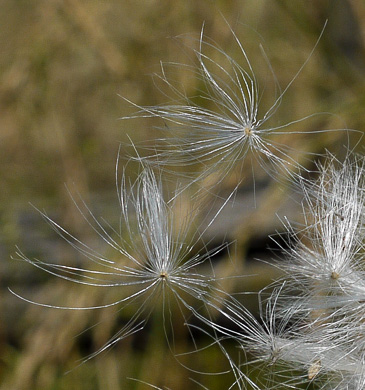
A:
(219, 135)
(326, 259)
(153, 258)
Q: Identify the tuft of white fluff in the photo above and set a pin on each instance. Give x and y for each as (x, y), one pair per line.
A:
(150, 258)
(227, 125)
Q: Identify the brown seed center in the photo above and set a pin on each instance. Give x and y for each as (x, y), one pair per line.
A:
(248, 130)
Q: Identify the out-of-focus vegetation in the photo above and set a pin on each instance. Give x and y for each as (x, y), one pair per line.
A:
(62, 66)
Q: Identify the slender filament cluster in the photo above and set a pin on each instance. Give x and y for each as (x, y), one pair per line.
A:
(310, 328)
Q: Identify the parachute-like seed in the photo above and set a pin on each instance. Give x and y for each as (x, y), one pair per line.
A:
(325, 260)
(150, 257)
(229, 127)
(289, 351)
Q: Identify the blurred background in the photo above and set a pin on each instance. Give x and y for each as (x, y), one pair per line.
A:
(64, 68)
